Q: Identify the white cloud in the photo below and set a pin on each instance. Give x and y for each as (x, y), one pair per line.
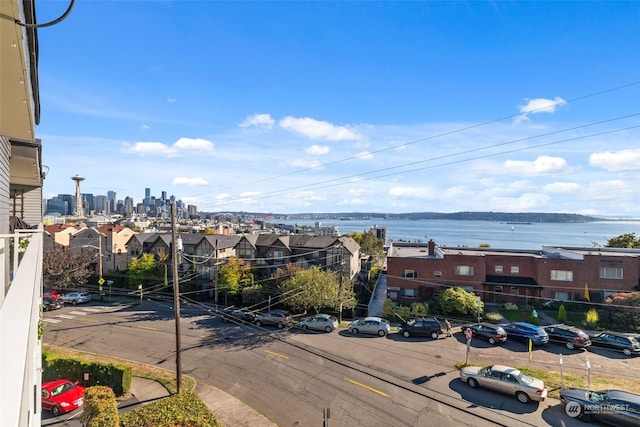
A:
(223, 196)
(195, 144)
(616, 161)
(145, 127)
(304, 195)
(366, 155)
(150, 148)
(562, 187)
(171, 100)
(317, 150)
(316, 129)
(361, 192)
(411, 192)
(263, 121)
(307, 164)
(543, 165)
(191, 182)
(352, 202)
(538, 105)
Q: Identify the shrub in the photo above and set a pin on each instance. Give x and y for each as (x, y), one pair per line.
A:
(510, 306)
(178, 410)
(562, 314)
(493, 317)
(100, 408)
(592, 318)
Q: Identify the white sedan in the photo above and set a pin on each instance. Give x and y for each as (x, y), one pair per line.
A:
(74, 298)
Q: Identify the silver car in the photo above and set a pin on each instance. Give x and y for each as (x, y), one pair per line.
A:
(505, 380)
(370, 325)
(320, 322)
(74, 298)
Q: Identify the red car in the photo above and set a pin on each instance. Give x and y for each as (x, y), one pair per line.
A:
(51, 293)
(62, 396)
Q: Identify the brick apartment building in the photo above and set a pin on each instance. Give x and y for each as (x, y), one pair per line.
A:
(418, 271)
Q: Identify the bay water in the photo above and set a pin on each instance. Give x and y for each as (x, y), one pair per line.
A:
(498, 235)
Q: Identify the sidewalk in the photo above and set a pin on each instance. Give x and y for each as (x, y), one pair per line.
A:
(231, 412)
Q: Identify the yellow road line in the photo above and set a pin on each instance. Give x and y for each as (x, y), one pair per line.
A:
(276, 354)
(366, 386)
(146, 327)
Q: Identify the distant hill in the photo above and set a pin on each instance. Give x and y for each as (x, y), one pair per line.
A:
(512, 217)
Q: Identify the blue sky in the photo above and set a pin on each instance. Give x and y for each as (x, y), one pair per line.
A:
(290, 107)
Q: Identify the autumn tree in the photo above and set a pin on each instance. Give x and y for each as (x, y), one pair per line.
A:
(314, 288)
(64, 269)
(370, 245)
(627, 241)
(234, 275)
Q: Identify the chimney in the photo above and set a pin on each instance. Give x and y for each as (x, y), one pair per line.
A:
(432, 248)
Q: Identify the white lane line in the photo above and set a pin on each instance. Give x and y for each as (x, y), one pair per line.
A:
(65, 316)
(49, 320)
(92, 310)
(79, 313)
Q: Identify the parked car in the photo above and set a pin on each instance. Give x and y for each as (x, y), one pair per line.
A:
(570, 336)
(614, 407)
(76, 297)
(526, 331)
(62, 396)
(319, 322)
(280, 318)
(370, 325)
(49, 303)
(487, 331)
(616, 341)
(429, 327)
(237, 314)
(505, 380)
(51, 293)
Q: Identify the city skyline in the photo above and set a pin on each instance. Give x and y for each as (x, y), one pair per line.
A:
(385, 107)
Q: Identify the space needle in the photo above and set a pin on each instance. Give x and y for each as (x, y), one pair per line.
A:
(78, 210)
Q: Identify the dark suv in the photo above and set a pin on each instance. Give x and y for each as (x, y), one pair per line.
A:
(487, 331)
(430, 327)
(570, 336)
(526, 331)
(616, 341)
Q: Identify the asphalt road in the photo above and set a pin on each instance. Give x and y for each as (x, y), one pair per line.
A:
(292, 376)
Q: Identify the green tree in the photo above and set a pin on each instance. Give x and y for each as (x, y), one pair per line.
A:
(562, 314)
(627, 241)
(592, 318)
(457, 300)
(388, 309)
(64, 269)
(370, 245)
(142, 270)
(233, 275)
(311, 288)
(419, 309)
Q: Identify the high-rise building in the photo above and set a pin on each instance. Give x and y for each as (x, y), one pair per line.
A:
(78, 210)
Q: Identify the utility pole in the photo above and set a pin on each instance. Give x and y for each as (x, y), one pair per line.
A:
(341, 278)
(176, 295)
(215, 271)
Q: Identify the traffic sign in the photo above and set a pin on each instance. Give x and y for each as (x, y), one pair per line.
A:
(101, 281)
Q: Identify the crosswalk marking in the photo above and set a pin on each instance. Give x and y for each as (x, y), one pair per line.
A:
(93, 309)
(65, 316)
(50, 320)
(80, 313)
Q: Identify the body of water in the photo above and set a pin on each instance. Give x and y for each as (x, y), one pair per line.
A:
(499, 235)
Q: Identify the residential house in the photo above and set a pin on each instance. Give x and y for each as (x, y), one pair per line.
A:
(418, 271)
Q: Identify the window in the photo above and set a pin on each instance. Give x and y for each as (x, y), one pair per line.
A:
(497, 288)
(515, 269)
(437, 274)
(610, 272)
(562, 275)
(410, 274)
(560, 296)
(410, 293)
(278, 255)
(498, 269)
(515, 290)
(464, 270)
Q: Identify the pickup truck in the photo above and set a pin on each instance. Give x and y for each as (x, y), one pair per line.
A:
(276, 317)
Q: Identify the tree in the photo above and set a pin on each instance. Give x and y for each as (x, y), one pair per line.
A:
(627, 241)
(142, 270)
(457, 300)
(64, 269)
(562, 314)
(370, 244)
(233, 275)
(314, 288)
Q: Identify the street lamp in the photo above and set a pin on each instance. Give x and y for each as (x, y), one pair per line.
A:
(99, 248)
